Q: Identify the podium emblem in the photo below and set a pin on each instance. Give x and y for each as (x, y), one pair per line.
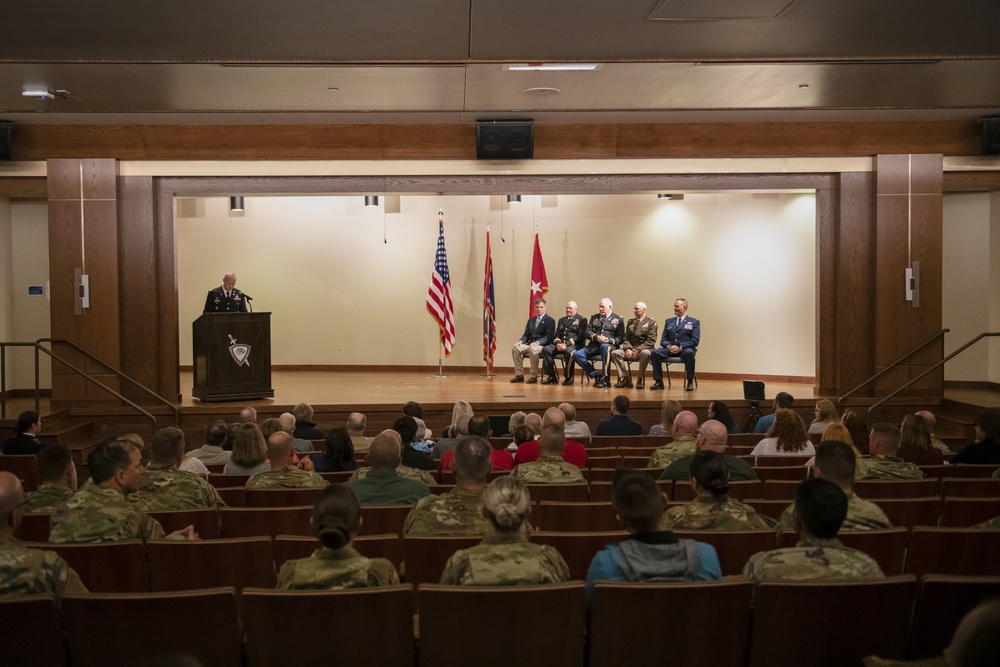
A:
(240, 352)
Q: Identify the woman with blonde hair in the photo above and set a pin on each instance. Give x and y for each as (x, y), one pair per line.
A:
(249, 451)
(839, 433)
(461, 408)
(787, 437)
(826, 414)
(505, 557)
(668, 411)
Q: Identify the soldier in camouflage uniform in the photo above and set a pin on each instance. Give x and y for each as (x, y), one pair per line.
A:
(22, 570)
(820, 508)
(99, 511)
(383, 485)
(57, 477)
(505, 557)
(712, 508)
(403, 471)
(164, 487)
(684, 432)
(460, 511)
(284, 473)
(835, 461)
(336, 565)
(883, 443)
(550, 467)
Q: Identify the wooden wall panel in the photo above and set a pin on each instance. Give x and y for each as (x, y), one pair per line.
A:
(827, 212)
(27, 187)
(169, 350)
(63, 178)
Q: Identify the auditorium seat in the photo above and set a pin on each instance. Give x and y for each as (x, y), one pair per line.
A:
(789, 472)
(768, 508)
(869, 489)
(600, 491)
(93, 563)
(776, 461)
(526, 625)
(217, 468)
(961, 551)
(425, 557)
(645, 450)
(600, 474)
(970, 488)
(621, 632)
(281, 497)
(205, 521)
(601, 451)
(887, 546)
(966, 512)
(734, 547)
(744, 439)
(618, 441)
(361, 626)
(975, 469)
(24, 467)
(939, 471)
(654, 441)
(269, 521)
(382, 519)
(606, 461)
(750, 488)
(236, 561)
(126, 628)
(219, 481)
(565, 493)
(942, 601)
(291, 547)
(578, 549)
(34, 528)
(780, 489)
(910, 512)
(575, 517)
(233, 496)
(633, 461)
(438, 489)
(845, 621)
(32, 631)
(337, 477)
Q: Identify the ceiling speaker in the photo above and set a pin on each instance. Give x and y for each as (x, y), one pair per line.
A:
(504, 140)
(991, 135)
(6, 153)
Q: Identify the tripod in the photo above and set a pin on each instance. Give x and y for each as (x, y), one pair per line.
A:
(754, 416)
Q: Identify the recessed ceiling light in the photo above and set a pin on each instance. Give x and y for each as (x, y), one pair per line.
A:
(541, 91)
(552, 67)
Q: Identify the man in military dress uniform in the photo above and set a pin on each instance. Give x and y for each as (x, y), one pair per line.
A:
(681, 335)
(57, 480)
(570, 331)
(605, 332)
(638, 344)
(284, 473)
(164, 486)
(460, 511)
(226, 299)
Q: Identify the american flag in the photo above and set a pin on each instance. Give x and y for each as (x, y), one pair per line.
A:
(439, 303)
(489, 311)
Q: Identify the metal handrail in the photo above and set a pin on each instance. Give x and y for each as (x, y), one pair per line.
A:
(933, 368)
(891, 366)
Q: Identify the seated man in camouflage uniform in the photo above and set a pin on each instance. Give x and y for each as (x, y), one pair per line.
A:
(460, 511)
(163, 486)
(23, 570)
(57, 477)
(684, 432)
(883, 443)
(383, 484)
(284, 472)
(712, 508)
(713, 436)
(820, 509)
(835, 461)
(99, 512)
(550, 468)
(403, 471)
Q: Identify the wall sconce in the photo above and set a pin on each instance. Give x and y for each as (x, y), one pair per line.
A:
(236, 204)
(371, 200)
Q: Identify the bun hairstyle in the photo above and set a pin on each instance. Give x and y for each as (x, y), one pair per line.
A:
(336, 516)
(506, 502)
(709, 470)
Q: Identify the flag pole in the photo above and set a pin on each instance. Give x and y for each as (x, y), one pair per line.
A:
(440, 373)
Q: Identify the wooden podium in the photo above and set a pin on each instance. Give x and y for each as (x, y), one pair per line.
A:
(232, 356)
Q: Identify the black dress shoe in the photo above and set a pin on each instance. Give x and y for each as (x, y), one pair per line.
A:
(517, 378)
(657, 386)
(640, 383)
(550, 380)
(603, 382)
(569, 381)
(689, 385)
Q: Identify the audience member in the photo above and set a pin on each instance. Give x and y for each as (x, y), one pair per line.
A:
(619, 423)
(530, 450)
(213, 451)
(164, 486)
(652, 553)
(782, 401)
(458, 409)
(99, 512)
(669, 409)
(382, 484)
(25, 571)
(444, 445)
(338, 452)
(356, 424)
(505, 557)
(931, 420)
(575, 430)
(986, 447)
(420, 441)
(415, 410)
(534, 421)
(248, 415)
(720, 412)
(857, 425)
(550, 468)
(459, 511)
(820, 509)
(29, 425)
(825, 414)
(883, 443)
(57, 480)
(915, 443)
(712, 508)
(249, 451)
(836, 462)
(406, 427)
(787, 437)
(305, 427)
(287, 421)
(839, 433)
(712, 436)
(336, 519)
(516, 419)
(479, 426)
(684, 432)
(284, 472)
(269, 427)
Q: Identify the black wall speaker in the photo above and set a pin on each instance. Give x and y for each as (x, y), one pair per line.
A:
(504, 140)
(6, 155)
(991, 135)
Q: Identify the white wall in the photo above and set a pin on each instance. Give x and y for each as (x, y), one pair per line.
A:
(30, 266)
(340, 295)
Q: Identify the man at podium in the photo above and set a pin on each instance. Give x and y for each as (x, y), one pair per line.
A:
(226, 299)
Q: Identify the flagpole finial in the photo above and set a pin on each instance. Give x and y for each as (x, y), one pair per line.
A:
(441, 212)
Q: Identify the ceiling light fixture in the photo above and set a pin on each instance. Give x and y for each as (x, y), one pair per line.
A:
(552, 67)
(371, 200)
(38, 94)
(513, 199)
(669, 196)
(236, 204)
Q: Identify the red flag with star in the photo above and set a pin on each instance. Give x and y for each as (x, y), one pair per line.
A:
(539, 283)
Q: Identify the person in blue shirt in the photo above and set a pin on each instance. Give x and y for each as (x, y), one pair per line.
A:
(652, 553)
